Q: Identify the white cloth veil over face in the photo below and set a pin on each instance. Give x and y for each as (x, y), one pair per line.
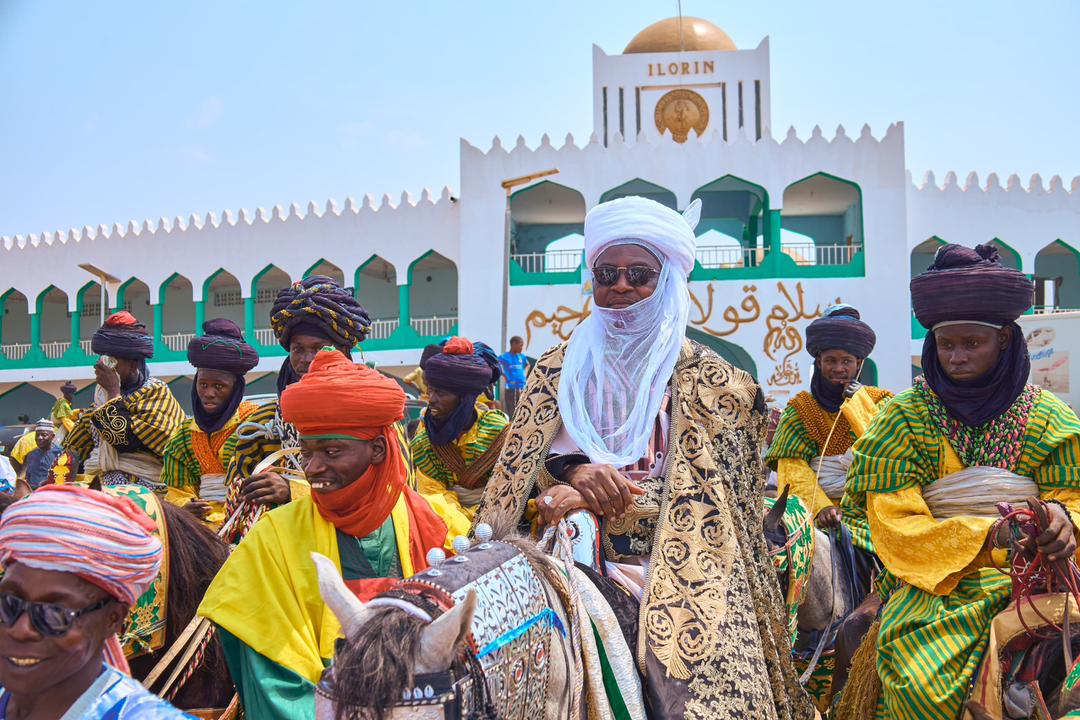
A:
(618, 362)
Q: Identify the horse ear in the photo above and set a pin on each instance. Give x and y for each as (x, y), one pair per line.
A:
(346, 607)
(776, 514)
(442, 639)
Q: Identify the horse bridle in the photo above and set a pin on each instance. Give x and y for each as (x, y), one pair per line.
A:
(458, 693)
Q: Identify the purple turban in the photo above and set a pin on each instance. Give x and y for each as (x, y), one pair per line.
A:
(970, 285)
(466, 370)
(840, 328)
(122, 336)
(222, 347)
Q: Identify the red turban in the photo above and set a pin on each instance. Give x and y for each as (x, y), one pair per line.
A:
(339, 399)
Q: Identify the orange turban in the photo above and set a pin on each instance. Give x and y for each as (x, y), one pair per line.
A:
(337, 398)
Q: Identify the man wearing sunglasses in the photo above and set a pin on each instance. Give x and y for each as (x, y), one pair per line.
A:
(659, 440)
(74, 562)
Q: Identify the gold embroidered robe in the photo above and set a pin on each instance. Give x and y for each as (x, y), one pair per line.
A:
(713, 639)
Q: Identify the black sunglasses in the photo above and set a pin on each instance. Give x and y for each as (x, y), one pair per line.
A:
(636, 275)
(47, 619)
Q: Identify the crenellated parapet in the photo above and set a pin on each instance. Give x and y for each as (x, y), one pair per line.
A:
(592, 168)
(244, 242)
(1025, 216)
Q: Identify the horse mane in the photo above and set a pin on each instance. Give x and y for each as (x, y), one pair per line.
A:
(374, 668)
(196, 554)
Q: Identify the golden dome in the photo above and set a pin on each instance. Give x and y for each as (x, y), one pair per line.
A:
(663, 36)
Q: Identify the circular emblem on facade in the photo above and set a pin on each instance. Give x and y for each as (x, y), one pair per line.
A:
(681, 111)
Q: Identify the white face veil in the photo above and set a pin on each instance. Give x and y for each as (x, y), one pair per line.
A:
(618, 362)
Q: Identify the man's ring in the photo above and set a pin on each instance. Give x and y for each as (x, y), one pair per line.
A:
(548, 500)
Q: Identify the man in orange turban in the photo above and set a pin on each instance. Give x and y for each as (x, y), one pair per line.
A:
(275, 629)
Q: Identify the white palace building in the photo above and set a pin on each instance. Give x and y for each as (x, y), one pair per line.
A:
(789, 225)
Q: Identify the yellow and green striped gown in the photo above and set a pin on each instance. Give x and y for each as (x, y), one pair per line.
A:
(434, 477)
(944, 593)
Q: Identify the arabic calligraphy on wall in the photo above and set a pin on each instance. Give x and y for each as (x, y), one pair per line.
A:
(783, 334)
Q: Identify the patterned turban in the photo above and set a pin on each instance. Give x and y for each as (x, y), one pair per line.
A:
(222, 347)
(840, 328)
(970, 285)
(463, 368)
(122, 336)
(105, 540)
(342, 399)
(318, 306)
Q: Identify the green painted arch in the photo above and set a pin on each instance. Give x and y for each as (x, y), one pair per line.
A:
(1064, 246)
(734, 183)
(545, 184)
(1007, 251)
(209, 281)
(40, 300)
(731, 352)
(121, 292)
(429, 253)
(169, 281)
(259, 276)
(80, 296)
(363, 265)
(643, 188)
(310, 271)
(843, 181)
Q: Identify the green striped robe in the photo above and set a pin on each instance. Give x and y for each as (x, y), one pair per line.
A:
(930, 645)
(472, 444)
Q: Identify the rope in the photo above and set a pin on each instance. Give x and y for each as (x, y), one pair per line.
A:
(1032, 573)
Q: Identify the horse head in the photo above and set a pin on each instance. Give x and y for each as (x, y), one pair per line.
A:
(476, 635)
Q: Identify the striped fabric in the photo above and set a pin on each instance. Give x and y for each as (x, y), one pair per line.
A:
(105, 540)
(191, 453)
(472, 444)
(142, 420)
(930, 645)
(250, 452)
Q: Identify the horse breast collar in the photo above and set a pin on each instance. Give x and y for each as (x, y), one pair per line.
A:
(510, 639)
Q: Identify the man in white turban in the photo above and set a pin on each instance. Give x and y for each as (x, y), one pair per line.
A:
(659, 439)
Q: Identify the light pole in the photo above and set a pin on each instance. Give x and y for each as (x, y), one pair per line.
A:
(104, 279)
(508, 186)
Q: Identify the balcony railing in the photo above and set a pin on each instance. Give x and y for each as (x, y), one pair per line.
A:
(551, 261)
(55, 349)
(265, 336)
(84, 345)
(15, 351)
(433, 326)
(1053, 309)
(728, 256)
(383, 328)
(811, 254)
(177, 342)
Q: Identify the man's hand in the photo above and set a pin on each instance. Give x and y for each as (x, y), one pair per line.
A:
(1057, 542)
(829, 517)
(605, 490)
(198, 508)
(108, 379)
(266, 488)
(564, 499)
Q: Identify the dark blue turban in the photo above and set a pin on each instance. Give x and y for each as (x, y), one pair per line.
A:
(840, 328)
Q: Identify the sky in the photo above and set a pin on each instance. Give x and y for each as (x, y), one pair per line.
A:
(118, 111)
